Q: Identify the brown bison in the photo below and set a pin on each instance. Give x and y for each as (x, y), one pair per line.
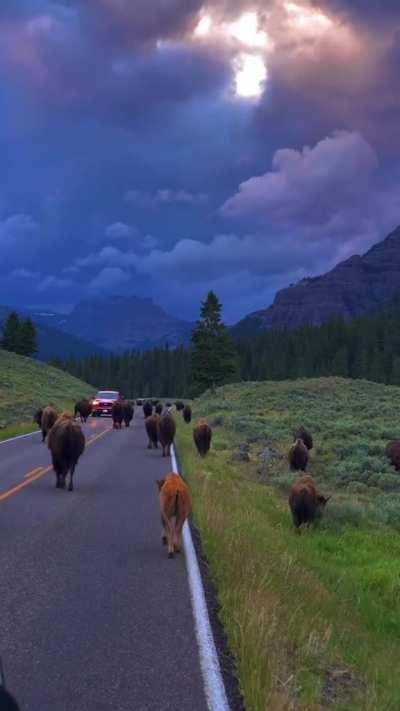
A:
(166, 433)
(159, 408)
(298, 456)
(66, 443)
(175, 506)
(302, 434)
(393, 453)
(83, 408)
(128, 411)
(187, 413)
(117, 414)
(49, 416)
(202, 435)
(37, 417)
(304, 501)
(147, 409)
(151, 424)
(179, 405)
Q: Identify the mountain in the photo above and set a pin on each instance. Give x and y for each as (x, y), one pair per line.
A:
(358, 285)
(124, 323)
(52, 342)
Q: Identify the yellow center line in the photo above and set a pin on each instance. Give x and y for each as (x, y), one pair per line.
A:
(33, 472)
(39, 472)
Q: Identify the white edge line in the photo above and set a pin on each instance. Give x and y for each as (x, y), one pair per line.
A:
(11, 439)
(213, 683)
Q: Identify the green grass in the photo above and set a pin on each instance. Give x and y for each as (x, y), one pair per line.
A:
(313, 620)
(26, 385)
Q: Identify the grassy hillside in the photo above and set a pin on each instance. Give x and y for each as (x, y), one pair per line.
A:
(27, 384)
(314, 619)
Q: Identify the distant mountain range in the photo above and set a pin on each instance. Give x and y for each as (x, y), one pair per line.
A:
(119, 324)
(356, 286)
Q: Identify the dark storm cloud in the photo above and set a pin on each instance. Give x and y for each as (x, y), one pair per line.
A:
(114, 98)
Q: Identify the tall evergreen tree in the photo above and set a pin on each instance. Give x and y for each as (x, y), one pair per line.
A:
(12, 333)
(214, 358)
(27, 338)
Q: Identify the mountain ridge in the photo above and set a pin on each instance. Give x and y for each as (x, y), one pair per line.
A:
(357, 285)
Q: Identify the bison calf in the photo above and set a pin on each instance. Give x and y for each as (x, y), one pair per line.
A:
(304, 501)
(83, 408)
(127, 411)
(305, 436)
(166, 433)
(202, 435)
(66, 443)
(298, 456)
(151, 424)
(49, 416)
(175, 506)
(187, 413)
(117, 414)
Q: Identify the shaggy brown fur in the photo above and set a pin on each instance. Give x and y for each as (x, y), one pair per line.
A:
(302, 434)
(393, 453)
(83, 408)
(66, 443)
(304, 501)
(202, 435)
(151, 424)
(117, 414)
(298, 456)
(187, 413)
(49, 416)
(175, 503)
(147, 409)
(127, 410)
(166, 433)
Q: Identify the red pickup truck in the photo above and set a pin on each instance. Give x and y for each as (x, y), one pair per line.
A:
(103, 402)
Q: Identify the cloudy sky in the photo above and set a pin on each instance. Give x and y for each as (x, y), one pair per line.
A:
(164, 148)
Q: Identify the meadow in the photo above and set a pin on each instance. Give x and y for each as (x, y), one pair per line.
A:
(26, 385)
(312, 619)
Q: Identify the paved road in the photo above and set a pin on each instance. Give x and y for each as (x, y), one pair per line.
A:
(93, 615)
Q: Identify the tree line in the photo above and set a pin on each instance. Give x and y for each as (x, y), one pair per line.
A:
(367, 347)
(19, 335)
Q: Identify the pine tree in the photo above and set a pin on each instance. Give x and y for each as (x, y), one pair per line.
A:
(27, 338)
(11, 333)
(214, 358)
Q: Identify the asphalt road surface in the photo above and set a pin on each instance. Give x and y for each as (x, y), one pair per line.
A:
(93, 615)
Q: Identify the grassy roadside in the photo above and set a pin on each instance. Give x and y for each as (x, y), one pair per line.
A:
(27, 384)
(314, 620)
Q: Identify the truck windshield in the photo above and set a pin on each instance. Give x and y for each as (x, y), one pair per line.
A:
(104, 395)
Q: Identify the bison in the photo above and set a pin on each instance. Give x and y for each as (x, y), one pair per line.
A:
(202, 435)
(166, 433)
(37, 417)
(175, 504)
(147, 409)
(151, 424)
(187, 413)
(298, 456)
(393, 453)
(49, 416)
(83, 408)
(127, 411)
(179, 405)
(117, 414)
(304, 501)
(66, 443)
(302, 434)
(159, 408)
